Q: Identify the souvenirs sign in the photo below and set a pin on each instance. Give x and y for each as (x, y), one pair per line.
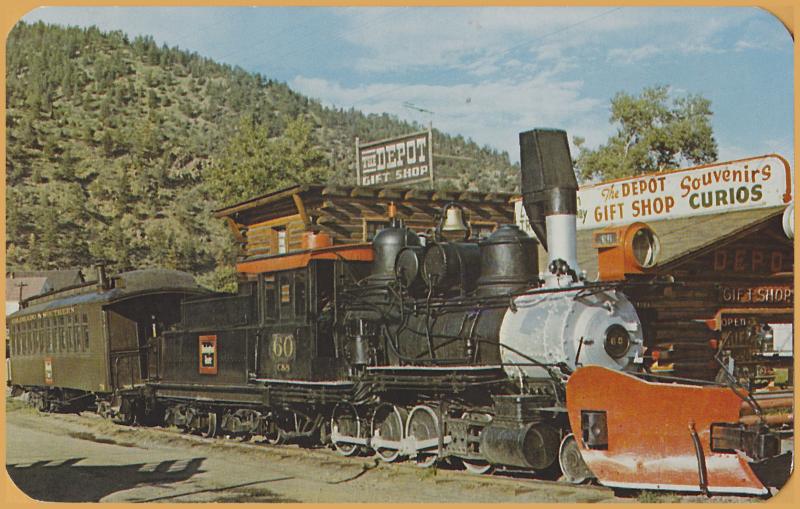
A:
(757, 182)
(403, 160)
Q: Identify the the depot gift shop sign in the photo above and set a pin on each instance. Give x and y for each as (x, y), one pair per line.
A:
(406, 159)
(764, 181)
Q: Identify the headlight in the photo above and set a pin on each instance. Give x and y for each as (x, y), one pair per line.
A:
(645, 247)
(617, 341)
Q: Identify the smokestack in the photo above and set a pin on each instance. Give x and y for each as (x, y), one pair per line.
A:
(549, 192)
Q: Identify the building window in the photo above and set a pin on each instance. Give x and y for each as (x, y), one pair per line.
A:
(282, 240)
(481, 230)
(373, 226)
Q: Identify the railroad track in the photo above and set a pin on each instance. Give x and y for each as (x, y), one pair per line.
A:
(348, 468)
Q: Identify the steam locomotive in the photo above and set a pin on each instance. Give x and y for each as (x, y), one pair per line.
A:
(452, 348)
(434, 347)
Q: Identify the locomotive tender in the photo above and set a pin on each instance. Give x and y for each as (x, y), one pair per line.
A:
(425, 347)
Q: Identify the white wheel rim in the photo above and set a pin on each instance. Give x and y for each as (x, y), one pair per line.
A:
(424, 459)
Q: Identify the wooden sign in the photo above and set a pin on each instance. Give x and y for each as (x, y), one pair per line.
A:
(402, 160)
(770, 295)
(752, 261)
(756, 182)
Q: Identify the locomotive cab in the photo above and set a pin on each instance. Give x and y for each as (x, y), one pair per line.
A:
(279, 326)
(298, 314)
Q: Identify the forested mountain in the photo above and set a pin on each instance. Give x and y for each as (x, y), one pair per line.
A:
(112, 146)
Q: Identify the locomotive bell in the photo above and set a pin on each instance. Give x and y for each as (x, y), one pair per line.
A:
(454, 221)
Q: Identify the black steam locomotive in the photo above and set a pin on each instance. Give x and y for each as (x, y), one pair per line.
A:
(442, 348)
(424, 347)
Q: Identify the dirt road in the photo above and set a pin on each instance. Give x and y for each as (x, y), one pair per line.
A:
(84, 458)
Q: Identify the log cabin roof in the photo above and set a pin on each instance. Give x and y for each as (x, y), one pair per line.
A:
(685, 238)
(284, 202)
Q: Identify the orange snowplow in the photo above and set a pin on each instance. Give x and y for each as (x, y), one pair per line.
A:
(637, 434)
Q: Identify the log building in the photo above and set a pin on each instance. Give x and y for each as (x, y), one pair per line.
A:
(276, 222)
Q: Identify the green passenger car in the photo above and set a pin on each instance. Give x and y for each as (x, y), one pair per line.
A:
(86, 344)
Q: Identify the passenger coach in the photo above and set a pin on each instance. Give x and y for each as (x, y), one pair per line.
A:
(82, 345)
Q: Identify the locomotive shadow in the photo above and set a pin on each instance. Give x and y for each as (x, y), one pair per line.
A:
(67, 481)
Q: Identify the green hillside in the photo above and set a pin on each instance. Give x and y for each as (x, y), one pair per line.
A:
(116, 148)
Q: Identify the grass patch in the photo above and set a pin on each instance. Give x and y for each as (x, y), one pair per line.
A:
(656, 497)
(82, 435)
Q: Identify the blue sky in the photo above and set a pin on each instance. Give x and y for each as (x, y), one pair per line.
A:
(489, 73)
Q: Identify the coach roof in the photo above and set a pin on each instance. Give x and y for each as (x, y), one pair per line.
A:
(126, 285)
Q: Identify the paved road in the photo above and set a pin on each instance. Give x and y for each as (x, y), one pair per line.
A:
(84, 458)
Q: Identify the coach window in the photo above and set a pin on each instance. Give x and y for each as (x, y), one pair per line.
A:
(73, 321)
(85, 327)
(53, 334)
(62, 347)
(76, 333)
(68, 333)
(57, 342)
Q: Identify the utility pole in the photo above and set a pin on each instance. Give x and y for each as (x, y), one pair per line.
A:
(20, 285)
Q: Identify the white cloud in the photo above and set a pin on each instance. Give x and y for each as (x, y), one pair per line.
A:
(633, 55)
(492, 112)
(480, 39)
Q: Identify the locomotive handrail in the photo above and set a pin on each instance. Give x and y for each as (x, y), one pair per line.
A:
(130, 352)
